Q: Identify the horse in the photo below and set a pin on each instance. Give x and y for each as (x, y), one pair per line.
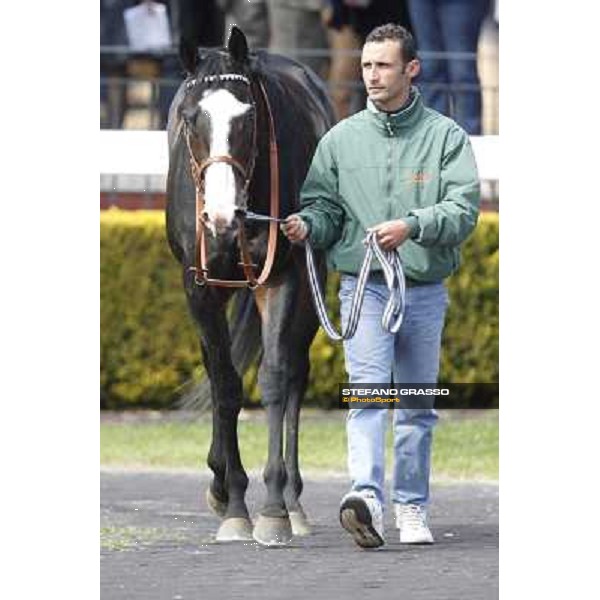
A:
(242, 129)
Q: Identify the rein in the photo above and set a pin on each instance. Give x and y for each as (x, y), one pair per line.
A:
(393, 313)
(201, 277)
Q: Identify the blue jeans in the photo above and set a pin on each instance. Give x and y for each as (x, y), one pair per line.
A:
(411, 356)
(450, 26)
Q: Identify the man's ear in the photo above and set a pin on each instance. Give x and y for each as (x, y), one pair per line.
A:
(413, 68)
(237, 45)
(188, 56)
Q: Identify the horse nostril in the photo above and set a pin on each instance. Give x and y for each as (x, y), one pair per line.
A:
(205, 216)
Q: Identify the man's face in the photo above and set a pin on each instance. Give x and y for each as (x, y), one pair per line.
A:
(386, 77)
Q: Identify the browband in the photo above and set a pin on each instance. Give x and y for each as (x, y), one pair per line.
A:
(221, 77)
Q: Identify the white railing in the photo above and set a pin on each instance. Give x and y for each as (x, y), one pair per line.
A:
(127, 155)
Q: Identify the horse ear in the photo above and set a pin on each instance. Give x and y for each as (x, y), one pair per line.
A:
(237, 45)
(188, 55)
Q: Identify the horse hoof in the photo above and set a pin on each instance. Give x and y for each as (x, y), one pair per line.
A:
(235, 529)
(272, 531)
(218, 507)
(300, 524)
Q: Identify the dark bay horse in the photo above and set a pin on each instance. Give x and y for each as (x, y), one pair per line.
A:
(242, 130)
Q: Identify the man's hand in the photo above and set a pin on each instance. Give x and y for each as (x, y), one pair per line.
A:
(391, 234)
(295, 229)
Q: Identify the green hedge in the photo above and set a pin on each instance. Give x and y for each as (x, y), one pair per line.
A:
(149, 349)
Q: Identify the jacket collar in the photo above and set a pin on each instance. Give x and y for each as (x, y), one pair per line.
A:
(405, 117)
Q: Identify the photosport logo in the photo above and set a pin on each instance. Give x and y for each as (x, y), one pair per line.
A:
(418, 395)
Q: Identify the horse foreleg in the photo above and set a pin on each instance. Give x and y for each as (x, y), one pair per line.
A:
(294, 486)
(236, 523)
(302, 332)
(273, 525)
(226, 495)
(216, 494)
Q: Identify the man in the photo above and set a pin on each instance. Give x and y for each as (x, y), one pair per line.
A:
(407, 173)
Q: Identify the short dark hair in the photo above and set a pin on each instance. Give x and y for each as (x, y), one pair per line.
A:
(397, 33)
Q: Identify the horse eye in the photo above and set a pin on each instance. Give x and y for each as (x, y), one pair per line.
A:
(189, 115)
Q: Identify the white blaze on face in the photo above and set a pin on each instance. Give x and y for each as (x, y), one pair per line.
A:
(222, 107)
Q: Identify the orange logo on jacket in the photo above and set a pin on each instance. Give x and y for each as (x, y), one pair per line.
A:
(420, 177)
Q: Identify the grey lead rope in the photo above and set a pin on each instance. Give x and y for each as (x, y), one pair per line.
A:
(393, 313)
(394, 278)
(252, 216)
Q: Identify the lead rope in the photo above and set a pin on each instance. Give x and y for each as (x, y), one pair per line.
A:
(391, 320)
(393, 313)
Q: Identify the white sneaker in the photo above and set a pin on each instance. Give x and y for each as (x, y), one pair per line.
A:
(361, 515)
(411, 520)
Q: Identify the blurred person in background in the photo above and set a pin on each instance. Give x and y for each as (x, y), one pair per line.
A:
(149, 34)
(112, 64)
(251, 16)
(450, 85)
(201, 23)
(349, 22)
(297, 24)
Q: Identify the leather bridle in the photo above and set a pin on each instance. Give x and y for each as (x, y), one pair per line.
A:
(198, 171)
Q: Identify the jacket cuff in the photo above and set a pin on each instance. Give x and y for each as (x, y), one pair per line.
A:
(308, 222)
(427, 227)
(413, 223)
(308, 227)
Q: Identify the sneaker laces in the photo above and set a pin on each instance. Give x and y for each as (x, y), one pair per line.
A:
(412, 516)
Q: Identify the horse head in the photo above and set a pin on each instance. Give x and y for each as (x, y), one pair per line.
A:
(219, 122)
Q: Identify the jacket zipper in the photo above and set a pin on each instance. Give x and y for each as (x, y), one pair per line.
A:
(389, 161)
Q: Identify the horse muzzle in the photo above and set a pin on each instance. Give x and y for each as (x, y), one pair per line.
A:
(223, 220)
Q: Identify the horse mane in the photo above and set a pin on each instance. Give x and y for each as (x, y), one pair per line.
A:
(283, 76)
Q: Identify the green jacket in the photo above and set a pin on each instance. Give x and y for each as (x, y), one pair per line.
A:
(372, 167)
